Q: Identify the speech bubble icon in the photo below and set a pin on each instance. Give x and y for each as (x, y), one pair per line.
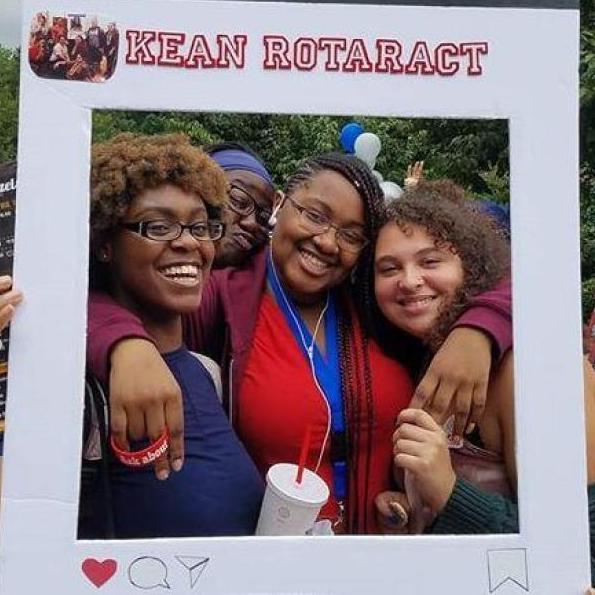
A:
(148, 572)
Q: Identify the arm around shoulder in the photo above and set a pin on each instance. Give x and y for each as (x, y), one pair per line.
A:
(491, 312)
(107, 324)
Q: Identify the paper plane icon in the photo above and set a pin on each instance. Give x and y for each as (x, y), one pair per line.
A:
(195, 565)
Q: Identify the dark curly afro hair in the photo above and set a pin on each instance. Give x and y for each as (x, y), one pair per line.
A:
(440, 207)
(127, 165)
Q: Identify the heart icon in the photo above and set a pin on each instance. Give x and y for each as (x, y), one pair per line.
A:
(99, 572)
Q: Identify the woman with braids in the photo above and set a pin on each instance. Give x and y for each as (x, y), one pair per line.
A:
(295, 353)
(433, 254)
(155, 215)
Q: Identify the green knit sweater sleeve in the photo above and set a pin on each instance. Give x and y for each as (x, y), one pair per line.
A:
(471, 510)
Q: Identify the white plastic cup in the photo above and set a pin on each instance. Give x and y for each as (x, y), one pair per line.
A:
(288, 507)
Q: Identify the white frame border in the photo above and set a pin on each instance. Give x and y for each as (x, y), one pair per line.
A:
(530, 78)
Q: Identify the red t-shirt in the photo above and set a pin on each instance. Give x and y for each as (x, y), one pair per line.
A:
(278, 400)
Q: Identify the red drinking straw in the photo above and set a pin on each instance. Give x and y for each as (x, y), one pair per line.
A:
(303, 455)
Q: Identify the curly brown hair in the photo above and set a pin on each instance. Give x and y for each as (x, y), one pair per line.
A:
(127, 165)
(441, 209)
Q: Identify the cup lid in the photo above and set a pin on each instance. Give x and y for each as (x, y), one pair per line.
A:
(311, 492)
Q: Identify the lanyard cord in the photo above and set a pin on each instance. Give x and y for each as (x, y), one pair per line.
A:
(334, 406)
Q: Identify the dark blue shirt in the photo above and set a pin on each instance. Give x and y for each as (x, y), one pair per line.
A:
(217, 492)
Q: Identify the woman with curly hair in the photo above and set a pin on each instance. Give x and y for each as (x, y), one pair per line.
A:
(155, 218)
(434, 253)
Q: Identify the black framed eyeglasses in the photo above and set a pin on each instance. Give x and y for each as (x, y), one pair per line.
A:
(162, 230)
(350, 239)
(243, 203)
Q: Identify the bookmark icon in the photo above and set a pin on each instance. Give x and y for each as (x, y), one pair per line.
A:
(508, 566)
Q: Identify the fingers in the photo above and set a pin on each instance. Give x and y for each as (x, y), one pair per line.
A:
(418, 417)
(145, 399)
(9, 299)
(478, 405)
(393, 511)
(136, 424)
(417, 430)
(6, 314)
(409, 447)
(440, 405)
(409, 431)
(410, 462)
(118, 425)
(174, 418)
(155, 424)
(399, 513)
(463, 402)
(5, 282)
(425, 390)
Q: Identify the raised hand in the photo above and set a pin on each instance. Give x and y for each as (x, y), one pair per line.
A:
(415, 172)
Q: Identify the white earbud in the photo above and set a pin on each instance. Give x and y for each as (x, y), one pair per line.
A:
(273, 218)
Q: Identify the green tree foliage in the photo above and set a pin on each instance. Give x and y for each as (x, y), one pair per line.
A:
(473, 152)
(9, 92)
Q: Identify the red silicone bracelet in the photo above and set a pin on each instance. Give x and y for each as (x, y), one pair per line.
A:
(146, 456)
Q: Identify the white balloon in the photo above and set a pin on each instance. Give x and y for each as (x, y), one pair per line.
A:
(391, 190)
(378, 176)
(367, 147)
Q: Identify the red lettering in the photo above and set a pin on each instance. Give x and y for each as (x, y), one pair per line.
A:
(276, 48)
(332, 45)
(199, 54)
(169, 55)
(474, 50)
(421, 61)
(305, 53)
(357, 58)
(138, 47)
(388, 54)
(231, 50)
(445, 64)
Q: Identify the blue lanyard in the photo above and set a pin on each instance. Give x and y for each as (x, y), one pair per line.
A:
(327, 372)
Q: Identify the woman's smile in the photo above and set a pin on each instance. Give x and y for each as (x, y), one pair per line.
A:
(313, 263)
(184, 274)
(418, 304)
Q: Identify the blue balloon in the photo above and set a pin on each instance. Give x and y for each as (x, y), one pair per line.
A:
(348, 135)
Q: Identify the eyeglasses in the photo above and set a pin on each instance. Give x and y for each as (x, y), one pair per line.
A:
(244, 204)
(348, 238)
(162, 230)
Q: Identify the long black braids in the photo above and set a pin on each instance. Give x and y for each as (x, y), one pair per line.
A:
(354, 359)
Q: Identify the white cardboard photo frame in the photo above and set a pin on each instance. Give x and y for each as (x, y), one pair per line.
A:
(529, 75)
